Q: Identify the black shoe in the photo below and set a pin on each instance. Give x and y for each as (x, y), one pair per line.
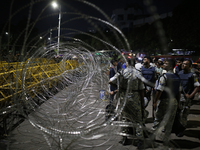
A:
(124, 140)
(140, 145)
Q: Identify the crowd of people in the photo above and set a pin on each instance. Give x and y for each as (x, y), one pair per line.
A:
(171, 86)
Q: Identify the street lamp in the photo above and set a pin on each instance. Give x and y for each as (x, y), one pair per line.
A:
(55, 5)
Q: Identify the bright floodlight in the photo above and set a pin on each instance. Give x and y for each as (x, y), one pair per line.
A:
(54, 4)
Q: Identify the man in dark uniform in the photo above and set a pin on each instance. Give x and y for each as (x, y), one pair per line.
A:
(113, 71)
(190, 86)
(149, 74)
(163, 102)
(178, 67)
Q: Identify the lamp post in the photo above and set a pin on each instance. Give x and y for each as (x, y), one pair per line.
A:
(55, 5)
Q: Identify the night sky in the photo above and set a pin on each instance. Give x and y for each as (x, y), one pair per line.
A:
(106, 5)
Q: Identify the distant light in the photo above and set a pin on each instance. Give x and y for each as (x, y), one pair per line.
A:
(40, 37)
(54, 4)
(6, 33)
(74, 56)
(49, 38)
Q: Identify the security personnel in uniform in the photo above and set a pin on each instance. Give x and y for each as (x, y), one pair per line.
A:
(111, 74)
(178, 67)
(190, 86)
(135, 99)
(149, 74)
(163, 102)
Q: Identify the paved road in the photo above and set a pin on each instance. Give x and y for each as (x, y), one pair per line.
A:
(99, 136)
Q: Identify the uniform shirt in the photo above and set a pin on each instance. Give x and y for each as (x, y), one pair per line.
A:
(119, 66)
(164, 71)
(112, 72)
(129, 73)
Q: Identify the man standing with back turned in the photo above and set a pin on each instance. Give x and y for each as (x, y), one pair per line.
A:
(133, 110)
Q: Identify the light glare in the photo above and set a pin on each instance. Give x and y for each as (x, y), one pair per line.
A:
(54, 4)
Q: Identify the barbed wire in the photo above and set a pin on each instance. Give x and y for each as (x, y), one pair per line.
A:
(64, 111)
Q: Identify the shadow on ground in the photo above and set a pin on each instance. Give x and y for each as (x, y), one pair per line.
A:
(194, 111)
(195, 102)
(185, 144)
(192, 133)
(193, 124)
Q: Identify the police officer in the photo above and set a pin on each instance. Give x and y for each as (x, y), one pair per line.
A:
(163, 102)
(190, 86)
(178, 67)
(149, 74)
(135, 100)
(111, 74)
